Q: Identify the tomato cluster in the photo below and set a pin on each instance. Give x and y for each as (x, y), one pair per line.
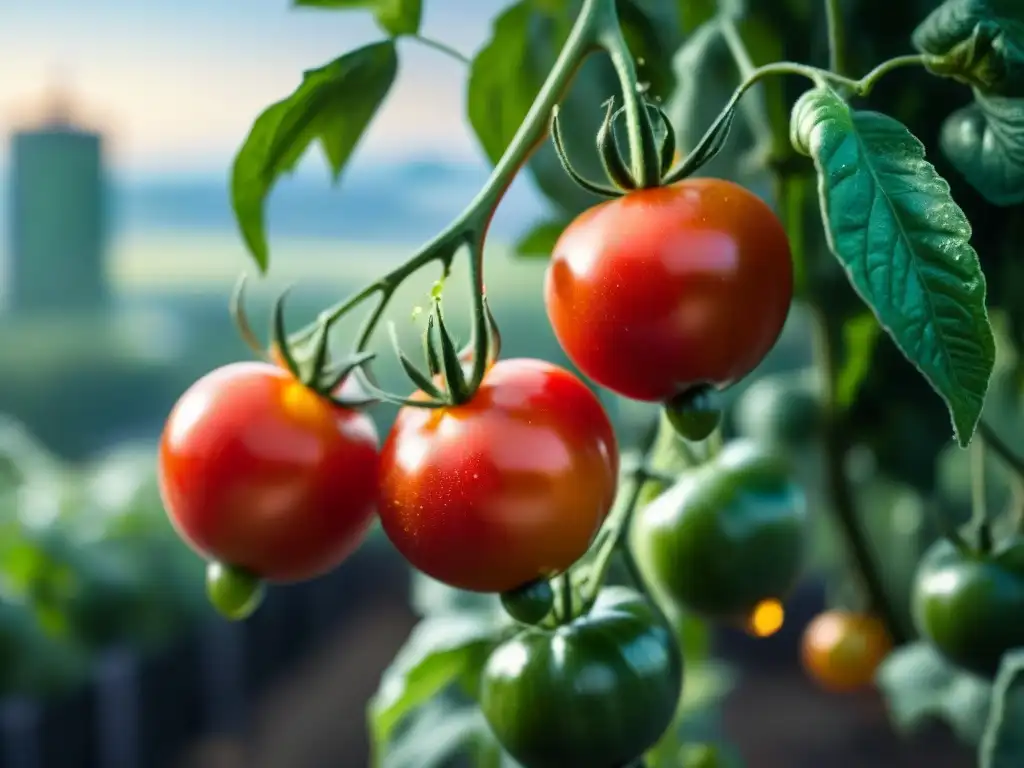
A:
(668, 295)
(268, 478)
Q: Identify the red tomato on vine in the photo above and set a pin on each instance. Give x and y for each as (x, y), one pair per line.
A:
(259, 472)
(506, 488)
(663, 289)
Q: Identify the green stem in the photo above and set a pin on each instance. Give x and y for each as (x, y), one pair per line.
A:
(596, 26)
(643, 146)
(820, 77)
(999, 447)
(979, 503)
(444, 48)
(627, 500)
(847, 517)
(836, 37)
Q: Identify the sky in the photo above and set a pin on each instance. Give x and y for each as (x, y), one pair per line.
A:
(175, 84)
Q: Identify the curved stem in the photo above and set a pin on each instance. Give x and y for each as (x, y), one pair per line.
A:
(627, 500)
(444, 48)
(596, 26)
(582, 40)
(820, 77)
(1001, 449)
(979, 503)
(471, 226)
(866, 84)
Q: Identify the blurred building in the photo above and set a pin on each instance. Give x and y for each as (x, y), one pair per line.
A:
(56, 218)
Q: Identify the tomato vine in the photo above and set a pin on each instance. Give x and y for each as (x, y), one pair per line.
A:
(705, 526)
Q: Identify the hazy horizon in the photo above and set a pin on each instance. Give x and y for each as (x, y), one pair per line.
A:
(399, 201)
(177, 83)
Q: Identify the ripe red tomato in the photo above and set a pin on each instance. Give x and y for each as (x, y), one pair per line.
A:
(666, 288)
(509, 487)
(258, 472)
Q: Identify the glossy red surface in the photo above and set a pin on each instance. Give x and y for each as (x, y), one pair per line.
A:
(511, 486)
(261, 473)
(666, 288)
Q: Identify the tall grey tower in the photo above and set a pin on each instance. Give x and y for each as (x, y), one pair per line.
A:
(57, 218)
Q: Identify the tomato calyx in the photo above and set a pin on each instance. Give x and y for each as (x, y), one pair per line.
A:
(447, 378)
(621, 177)
(696, 413)
(306, 358)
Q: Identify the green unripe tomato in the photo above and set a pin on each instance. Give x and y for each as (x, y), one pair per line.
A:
(531, 603)
(727, 536)
(595, 693)
(696, 414)
(233, 592)
(969, 606)
(782, 409)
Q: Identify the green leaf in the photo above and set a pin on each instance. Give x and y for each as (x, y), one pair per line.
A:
(396, 17)
(919, 685)
(979, 42)
(437, 653)
(503, 80)
(1002, 746)
(540, 241)
(333, 105)
(651, 29)
(985, 142)
(905, 245)
(860, 334)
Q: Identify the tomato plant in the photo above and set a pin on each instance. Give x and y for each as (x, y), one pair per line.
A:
(503, 489)
(669, 288)
(842, 650)
(260, 473)
(751, 167)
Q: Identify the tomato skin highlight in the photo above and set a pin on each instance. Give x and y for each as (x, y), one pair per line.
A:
(258, 472)
(510, 487)
(664, 289)
(842, 650)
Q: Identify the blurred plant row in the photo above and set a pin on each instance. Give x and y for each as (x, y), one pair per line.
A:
(88, 561)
